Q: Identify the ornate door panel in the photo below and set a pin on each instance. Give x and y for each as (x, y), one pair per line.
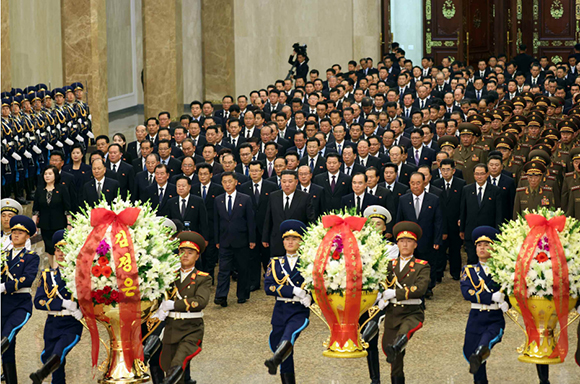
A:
(444, 29)
(480, 29)
(555, 28)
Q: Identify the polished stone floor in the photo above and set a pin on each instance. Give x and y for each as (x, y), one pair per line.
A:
(236, 345)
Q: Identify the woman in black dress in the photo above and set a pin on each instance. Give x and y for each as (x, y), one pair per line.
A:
(51, 207)
(77, 167)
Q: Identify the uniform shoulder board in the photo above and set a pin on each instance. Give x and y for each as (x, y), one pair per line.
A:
(575, 188)
(419, 261)
(546, 188)
(200, 273)
(47, 270)
(275, 258)
(550, 177)
(521, 189)
(470, 266)
(569, 174)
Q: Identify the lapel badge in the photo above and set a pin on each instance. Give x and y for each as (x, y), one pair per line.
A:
(413, 288)
(429, 207)
(490, 198)
(240, 205)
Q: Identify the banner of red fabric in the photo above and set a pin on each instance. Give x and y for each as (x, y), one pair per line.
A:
(539, 226)
(101, 218)
(345, 326)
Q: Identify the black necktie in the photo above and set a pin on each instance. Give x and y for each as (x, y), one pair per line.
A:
(493, 181)
(114, 168)
(358, 206)
(333, 183)
(370, 192)
(160, 195)
(287, 205)
(230, 205)
(150, 179)
(182, 207)
(479, 196)
(257, 192)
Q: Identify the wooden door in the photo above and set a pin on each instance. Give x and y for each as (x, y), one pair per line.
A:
(386, 37)
(479, 30)
(444, 29)
(555, 28)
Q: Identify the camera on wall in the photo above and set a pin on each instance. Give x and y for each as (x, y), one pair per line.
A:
(300, 49)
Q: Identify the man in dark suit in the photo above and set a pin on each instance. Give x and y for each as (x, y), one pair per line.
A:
(363, 158)
(289, 203)
(99, 187)
(424, 209)
(450, 205)
(164, 150)
(145, 178)
(480, 205)
(404, 171)
(359, 198)
(160, 191)
(335, 184)
(235, 232)
(134, 147)
(392, 185)
(314, 160)
(208, 191)
(139, 162)
(316, 192)
(121, 171)
(259, 191)
(188, 208)
(349, 165)
(418, 154)
(187, 170)
(506, 185)
(224, 113)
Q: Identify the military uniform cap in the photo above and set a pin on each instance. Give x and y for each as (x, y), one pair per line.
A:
(448, 140)
(566, 126)
(497, 115)
(540, 108)
(519, 101)
(16, 91)
(292, 227)
(378, 211)
(512, 136)
(68, 88)
(528, 96)
(553, 102)
(506, 102)
(10, 205)
(542, 100)
(58, 238)
(535, 120)
(23, 223)
(30, 89)
(47, 95)
(559, 101)
(551, 133)
(575, 153)
(33, 96)
(575, 119)
(519, 120)
(534, 167)
(41, 87)
(5, 95)
(17, 99)
(547, 142)
(6, 101)
(484, 233)
(191, 240)
(476, 119)
(503, 142)
(506, 111)
(468, 128)
(57, 91)
(538, 153)
(407, 230)
(76, 86)
(513, 128)
(487, 116)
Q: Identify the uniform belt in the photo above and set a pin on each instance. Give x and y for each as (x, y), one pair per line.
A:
(185, 315)
(23, 290)
(287, 300)
(64, 312)
(485, 307)
(406, 302)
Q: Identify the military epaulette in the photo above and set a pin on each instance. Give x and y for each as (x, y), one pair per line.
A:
(521, 189)
(471, 265)
(47, 270)
(575, 188)
(549, 177)
(275, 258)
(200, 273)
(545, 188)
(569, 174)
(419, 261)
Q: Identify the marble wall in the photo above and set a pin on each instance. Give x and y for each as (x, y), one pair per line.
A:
(192, 51)
(403, 14)
(335, 31)
(6, 63)
(35, 45)
(119, 48)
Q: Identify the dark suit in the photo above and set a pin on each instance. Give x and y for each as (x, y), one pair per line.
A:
(195, 216)
(234, 232)
(354, 169)
(193, 178)
(319, 165)
(426, 156)
(68, 180)
(140, 186)
(316, 192)
(300, 209)
(405, 173)
(132, 150)
(138, 165)
(450, 206)
(431, 221)
(473, 215)
(109, 189)
(350, 201)
(435, 175)
(333, 200)
(125, 175)
(397, 191)
(507, 189)
(152, 193)
(173, 165)
(260, 256)
(370, 161)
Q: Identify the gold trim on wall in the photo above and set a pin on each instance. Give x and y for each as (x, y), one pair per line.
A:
(428, 10)
(556, 59)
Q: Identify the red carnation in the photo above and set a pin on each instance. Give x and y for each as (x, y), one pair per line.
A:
(542, 257)
(106, 270)
(107, 290)
(96, 270)
(100, 299)
(336, 255)
(115, 296)
(103, 261)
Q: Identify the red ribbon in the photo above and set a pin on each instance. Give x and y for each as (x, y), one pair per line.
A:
(345, 326)
(129, 306)
(561, 288)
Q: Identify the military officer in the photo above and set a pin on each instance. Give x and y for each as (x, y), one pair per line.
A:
(62, 330)
(539, 153)
(183, 310)
(505, 145)
(10, 208)
(291, 312)
(407, 282)
(561, 153)
(18, 273)
(467, 153)
(571, 179)
(486, 324)
(534, 195)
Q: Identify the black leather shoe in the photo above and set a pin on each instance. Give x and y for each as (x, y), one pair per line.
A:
(173, 375)
(156, 374)
(254, 288)
(374, 366)
(392, 351)
(282, 352)
(479, 357)
(398, 379)
(242, 301)
(429, 294)
(543, 373)
(456, 278)
(221, 301)
(51, 365)
(9, 370)
(370, 331)
(152, 344)
(288, 378)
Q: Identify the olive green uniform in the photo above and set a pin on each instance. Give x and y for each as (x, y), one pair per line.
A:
(547, 181)
(571, 179)
(573, 209)
(467, 158)
(526, 198)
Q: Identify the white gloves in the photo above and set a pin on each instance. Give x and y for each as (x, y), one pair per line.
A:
(69, 141)
(69, 124)
(307, 301)
(389, 294)
(159, 314)
(36, 149)
(90, 134)
(504, 306)
(70, 305)
(49, 147)
(80, 120)
(16, 156)
(59, 144)
(77, 314)
(28, 155)
(4, 161)
(299, 292)
(2, 288)
(383, 304)
(80, 138)
(498, 297)
(90, 118)
(167, 305)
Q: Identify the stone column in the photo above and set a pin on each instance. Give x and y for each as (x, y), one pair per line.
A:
(218, 49)
(162, 57)
(84, 54)
(6, 60)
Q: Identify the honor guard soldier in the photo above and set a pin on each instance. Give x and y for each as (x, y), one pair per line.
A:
(183, 310)
(571, 179)
(10, 208)
(486, 324)
(18, 273)
(407, 282)
(62, 330)
(380, 217)
(534, 195)
(467, 153)
(291, 312)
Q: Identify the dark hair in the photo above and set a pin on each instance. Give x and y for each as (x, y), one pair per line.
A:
(56, 174)
(97, 153)
(121, 149)
(374, 169)
(102, 137)
(481, 165)
(390, 165)
(183, 178)
(159, 166)
(207, 166)
(164, 113)
(232, 174)
(164, 142)
(418, 173)
(450, 162)
(256, 162)
(335, 155)
(61, 154)
(121, 136)
(289, 172)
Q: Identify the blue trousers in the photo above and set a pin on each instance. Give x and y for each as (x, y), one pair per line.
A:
(483, 328)
(16, 311)
(289, 330)
(61, 334)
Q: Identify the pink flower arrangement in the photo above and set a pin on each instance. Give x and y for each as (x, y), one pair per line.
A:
(103, 248)
(336, 247)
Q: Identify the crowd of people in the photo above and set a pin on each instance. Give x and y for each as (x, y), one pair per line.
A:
(448, 146)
